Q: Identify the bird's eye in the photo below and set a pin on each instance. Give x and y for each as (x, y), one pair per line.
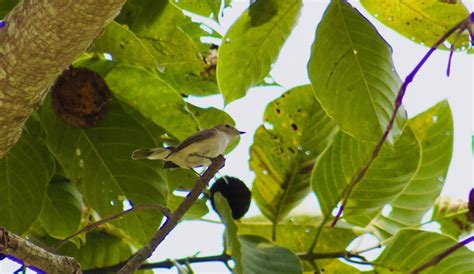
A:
(227, 126)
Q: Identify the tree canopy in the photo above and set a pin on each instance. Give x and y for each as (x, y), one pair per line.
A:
(344, 137)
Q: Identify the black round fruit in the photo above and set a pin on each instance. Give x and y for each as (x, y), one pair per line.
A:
(237, 194)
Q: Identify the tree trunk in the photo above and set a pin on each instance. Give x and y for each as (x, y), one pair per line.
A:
(40, 39)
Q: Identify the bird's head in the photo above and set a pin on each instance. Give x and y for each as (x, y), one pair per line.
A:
(229, 130)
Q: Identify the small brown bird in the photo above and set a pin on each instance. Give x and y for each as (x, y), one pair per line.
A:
(196, 151)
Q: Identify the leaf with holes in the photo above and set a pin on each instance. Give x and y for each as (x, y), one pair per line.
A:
(283, 155)
(352, 74)
(453, 217)
(252, 44)
(25, 173)
(410, 249)
(388, 175)
(421, 21)
(98, 160)
(297, 232)
(62, 210)
(434, 131)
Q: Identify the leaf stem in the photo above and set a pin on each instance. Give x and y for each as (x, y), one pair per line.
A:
(443, 255)
(319, 230)
(158, 207)
(224, 258)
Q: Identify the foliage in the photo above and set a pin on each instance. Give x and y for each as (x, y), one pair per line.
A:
(313, 140)
(421, 21)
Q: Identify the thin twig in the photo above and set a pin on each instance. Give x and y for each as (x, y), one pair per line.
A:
(346, 255)
(437, 259)
(463, 25)
(141, 207)
(368, 249)
(137, 260)
(451, 51)
(224, 258)
(319, 231)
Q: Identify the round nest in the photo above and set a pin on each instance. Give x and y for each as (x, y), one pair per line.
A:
(80, 97)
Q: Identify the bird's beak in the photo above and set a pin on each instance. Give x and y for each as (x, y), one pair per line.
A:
(241, 132)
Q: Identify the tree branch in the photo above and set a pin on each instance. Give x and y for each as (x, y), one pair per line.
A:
(137, 260)
(437, 259)
(224, 258)
(346, 255)
(465, 24)
(90, 227)
(31, 254)
(39, 39)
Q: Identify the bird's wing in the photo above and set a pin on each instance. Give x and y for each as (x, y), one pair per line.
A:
(199, 136)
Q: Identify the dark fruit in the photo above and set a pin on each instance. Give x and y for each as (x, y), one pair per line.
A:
(237, 194)
(80, 97)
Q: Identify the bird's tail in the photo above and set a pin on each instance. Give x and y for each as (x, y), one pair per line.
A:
(159, 153)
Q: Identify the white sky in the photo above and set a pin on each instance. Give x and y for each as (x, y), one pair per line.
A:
(430, 86)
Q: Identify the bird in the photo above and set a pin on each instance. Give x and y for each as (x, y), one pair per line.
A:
(196, 151)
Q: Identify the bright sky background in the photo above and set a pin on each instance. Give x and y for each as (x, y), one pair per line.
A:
(430, 86)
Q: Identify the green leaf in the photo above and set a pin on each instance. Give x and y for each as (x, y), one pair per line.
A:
(352, 74)
(253, 253)
(261, 256)
(410, 249)
(159, 27)
(433, 129)
(297, 232)
(100, 249)
(452, 215)
(209, 117)
(154, 98)
(231, 240)
(124, 46)
(158, 101)
(198, 210)
(98, 160)
(338, 267)
(24, 176)
(388, 175)
(252, 44)
(283, 156)
(206, 8)
(421, 21)
(62, 210)
(178, 178)
(6, 6)
(142, 16)
(157, 133)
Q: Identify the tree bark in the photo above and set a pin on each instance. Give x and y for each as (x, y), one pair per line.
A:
(40, 39)
(12, 244)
